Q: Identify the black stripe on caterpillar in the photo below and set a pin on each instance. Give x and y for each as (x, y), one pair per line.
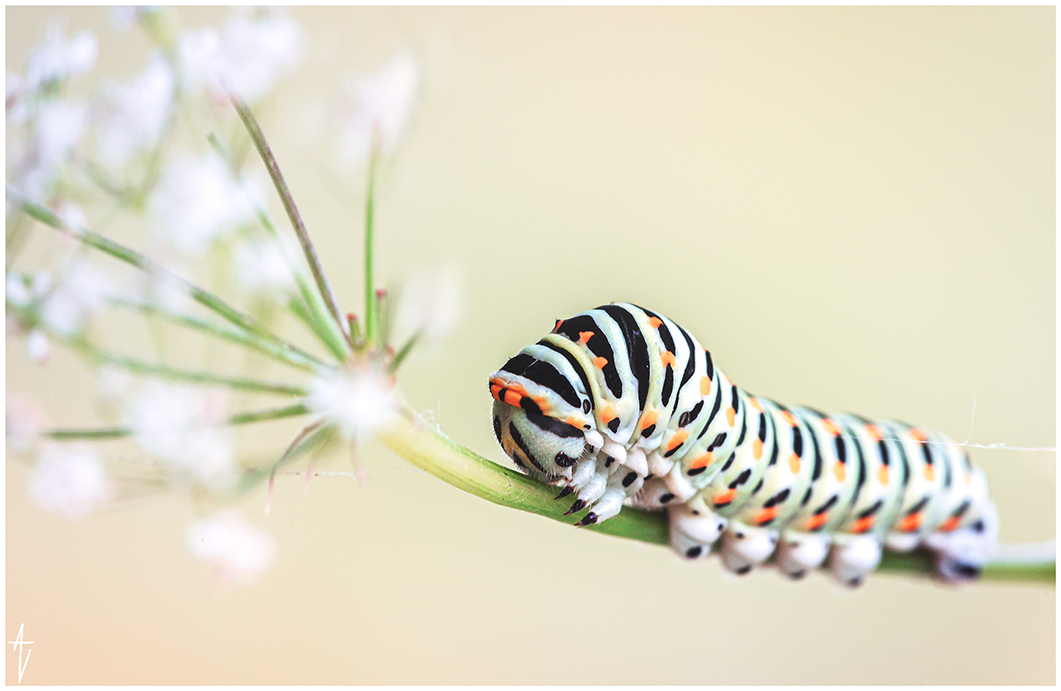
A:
(621, 405)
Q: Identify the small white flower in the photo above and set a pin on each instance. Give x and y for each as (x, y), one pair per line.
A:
(69, 481)
(198, 202)
(382, 102)
(132, 116)
(253, 50)
(357, 401)
(56, 58)
(184, 426)
(59, 126)
(37, 347)
(24, 420)
(17, 96)
(18, 293)
(237, 550)
(82, 291)
(265, 267)
(431, 304)
(124, 16)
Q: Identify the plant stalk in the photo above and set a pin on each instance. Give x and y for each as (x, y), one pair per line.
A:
(429, 449)
(258, 137)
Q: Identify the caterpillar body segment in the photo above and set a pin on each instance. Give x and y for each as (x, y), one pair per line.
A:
(619, 405)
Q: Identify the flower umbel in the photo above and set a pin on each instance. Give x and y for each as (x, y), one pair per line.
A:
(356, 400)
(69, 481)
(216, 275)
(237, 551)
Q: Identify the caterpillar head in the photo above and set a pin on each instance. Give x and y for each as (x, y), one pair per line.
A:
(540, 445)
(545, 433)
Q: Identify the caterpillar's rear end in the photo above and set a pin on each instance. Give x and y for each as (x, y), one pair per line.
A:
(621, 405)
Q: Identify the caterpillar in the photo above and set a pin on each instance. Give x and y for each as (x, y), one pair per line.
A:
(619, 405)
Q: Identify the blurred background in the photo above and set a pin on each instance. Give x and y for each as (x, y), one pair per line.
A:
(852, 208)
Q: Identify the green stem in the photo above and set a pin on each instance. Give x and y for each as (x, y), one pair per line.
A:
(315, 313)
(121, 432)
(238, 337)
(371, 314)
(266, 153)
(177, 374)
(400, 356)
(134, 258)
(431, 450)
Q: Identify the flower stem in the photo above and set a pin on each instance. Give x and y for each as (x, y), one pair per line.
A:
(192, 376)
(134, 258)
(239, 337)
(121, 432)
(100, 356)
(371, 313)
(258, 137)
(429, 449)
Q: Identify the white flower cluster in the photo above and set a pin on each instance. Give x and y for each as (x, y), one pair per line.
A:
(378, 105)
(132, 117)
(69, 481)
(199, 202)
(206, 222)
(236, 550)
(357, 401)
(184, 426)
(248, 55)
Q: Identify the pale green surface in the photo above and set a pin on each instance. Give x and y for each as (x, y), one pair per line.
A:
(852, 208)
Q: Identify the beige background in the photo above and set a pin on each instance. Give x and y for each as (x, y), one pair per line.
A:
(852, 208)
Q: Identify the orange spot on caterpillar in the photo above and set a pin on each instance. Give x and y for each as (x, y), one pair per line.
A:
(600, 362)
(703, 461)
(793, 463)
(513, 397)
(556, 326)
(648, 418)
(755, 403)
(705, 386)
(950, 524)
(725, 497)
(608, 414)
(882, 474)
(817, 521)
(676, 441)
(494, 390)
(874, 432)
(910, 523)
(765, 515)
(654, 322)
(788, 418)
(862, 525)
(918, 435)
(839, 471)
(731, 416)
(830, 427)
(667, 358)
(757, 449)
(574, 422)
(584, 336)
(930, 473)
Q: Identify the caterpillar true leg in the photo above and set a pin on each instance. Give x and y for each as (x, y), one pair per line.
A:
(619, 404)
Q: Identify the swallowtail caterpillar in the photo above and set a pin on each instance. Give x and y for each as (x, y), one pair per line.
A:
(621, 405)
